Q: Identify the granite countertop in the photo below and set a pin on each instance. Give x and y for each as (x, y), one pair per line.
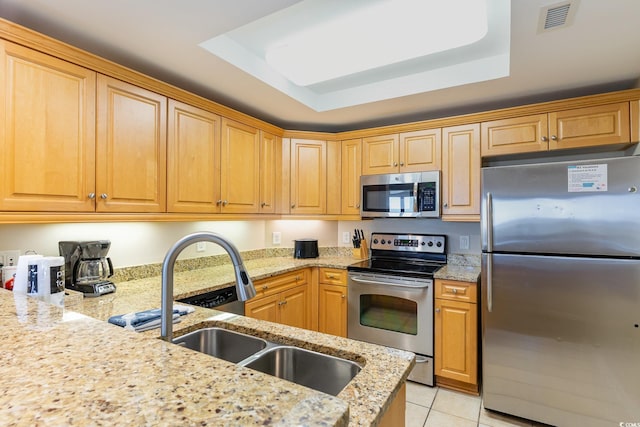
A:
(67, 363)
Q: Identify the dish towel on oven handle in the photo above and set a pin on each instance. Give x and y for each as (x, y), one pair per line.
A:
(148, 319)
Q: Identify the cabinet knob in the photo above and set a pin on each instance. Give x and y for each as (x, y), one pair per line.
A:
(358, 206)
(401, 163)
(92, 196)
(263, 204)
(632, 189)
(297, 278)
(343, 296)
(553, 137)
(293, 206)
(446, 205)
(225, 203)
(103, 196)
(454, 290)
(219, 202)
(395, 163)
(437, 310)
(545, 139)
(265, 287)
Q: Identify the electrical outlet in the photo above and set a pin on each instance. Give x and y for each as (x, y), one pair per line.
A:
(9, 257)
(276, 237)
(464, 242)
(346, 237)
(201, 246)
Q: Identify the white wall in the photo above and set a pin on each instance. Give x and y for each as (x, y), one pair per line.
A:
(147, 242)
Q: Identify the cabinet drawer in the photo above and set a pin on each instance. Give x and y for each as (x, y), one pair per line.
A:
(333, 276)
(282, 282)
(458, 291)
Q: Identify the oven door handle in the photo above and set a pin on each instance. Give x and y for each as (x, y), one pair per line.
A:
(418, 285)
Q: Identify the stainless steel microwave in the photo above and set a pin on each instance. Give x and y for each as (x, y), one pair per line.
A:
(403, 195)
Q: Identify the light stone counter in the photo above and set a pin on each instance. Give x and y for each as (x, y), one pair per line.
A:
(70, 369)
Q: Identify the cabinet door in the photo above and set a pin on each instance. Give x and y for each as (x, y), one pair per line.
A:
(239, 168)
(380, 154)
(334, 178)
(131, 148)
(461, 173)
(269, 150)
(47, 132)
(332, 310)
(517, 135)
(265, 308)
(308, 176)
(420, 150)
(351, 171)
(295, 307)
(193, 153)
(584, 127)
(456, 340)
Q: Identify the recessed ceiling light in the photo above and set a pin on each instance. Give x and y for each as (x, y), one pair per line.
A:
(374, 35)
(330, 54)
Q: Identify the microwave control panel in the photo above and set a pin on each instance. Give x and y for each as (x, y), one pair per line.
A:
(427, 197)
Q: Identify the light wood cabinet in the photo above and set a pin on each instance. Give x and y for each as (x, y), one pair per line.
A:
(131, 148)
(270, 152)
(239, 168)
(308, 176)
(579, 127)
(461, 173)
(285, 299)
(193, 159)
(351, 171)
(334, 178)
(405, 152)
(47, 132)
(332, 301)
(456, 334)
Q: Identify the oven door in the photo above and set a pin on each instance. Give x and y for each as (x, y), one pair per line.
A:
(392, 311)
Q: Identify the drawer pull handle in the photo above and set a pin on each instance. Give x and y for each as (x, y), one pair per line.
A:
(265, 287)
(454, 290)
(437, 310)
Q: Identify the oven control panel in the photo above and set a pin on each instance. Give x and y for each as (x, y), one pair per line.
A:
(409, 242)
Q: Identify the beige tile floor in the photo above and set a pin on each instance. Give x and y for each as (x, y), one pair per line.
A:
(439, 407)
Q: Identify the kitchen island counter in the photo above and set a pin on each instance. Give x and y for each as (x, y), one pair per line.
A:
(69, 366)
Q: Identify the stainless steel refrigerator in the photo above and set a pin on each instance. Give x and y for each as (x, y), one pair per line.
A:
(561, 291)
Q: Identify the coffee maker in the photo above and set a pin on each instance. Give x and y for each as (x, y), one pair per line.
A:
(87, 266)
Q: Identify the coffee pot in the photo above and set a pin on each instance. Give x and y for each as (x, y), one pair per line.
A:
(88, 265)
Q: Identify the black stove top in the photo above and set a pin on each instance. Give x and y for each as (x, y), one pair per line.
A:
(415, 255)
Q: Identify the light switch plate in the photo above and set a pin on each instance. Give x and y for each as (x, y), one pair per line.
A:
(346, 237)
(276, 237)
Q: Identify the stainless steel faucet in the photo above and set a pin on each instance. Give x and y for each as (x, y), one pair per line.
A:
(244, 285)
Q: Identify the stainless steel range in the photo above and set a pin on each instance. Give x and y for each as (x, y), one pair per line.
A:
(391, 296)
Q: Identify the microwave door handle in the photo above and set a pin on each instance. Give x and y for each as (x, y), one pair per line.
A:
(415, 197)
(398, 285)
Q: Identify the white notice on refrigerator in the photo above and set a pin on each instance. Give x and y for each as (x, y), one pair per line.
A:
(583, 178)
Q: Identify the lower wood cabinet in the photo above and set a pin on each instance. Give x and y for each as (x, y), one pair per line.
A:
(332, 301)
(283, 299)
(456, 335)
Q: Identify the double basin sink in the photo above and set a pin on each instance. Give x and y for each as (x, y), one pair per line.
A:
(315, 370)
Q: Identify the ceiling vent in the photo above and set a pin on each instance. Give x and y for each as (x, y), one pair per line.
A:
(559, 15)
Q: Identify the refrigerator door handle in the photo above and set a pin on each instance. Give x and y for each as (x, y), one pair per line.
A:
(489, 282)
(489, 222)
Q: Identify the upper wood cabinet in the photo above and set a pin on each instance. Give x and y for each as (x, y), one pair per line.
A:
(334, 178)
(579, 127)
(131, 148)
(47, 132)
(270, 167)
(308, 176)
(351, 171)
(461, 173)
(239, 168)
(405, 152)
(193, 159)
